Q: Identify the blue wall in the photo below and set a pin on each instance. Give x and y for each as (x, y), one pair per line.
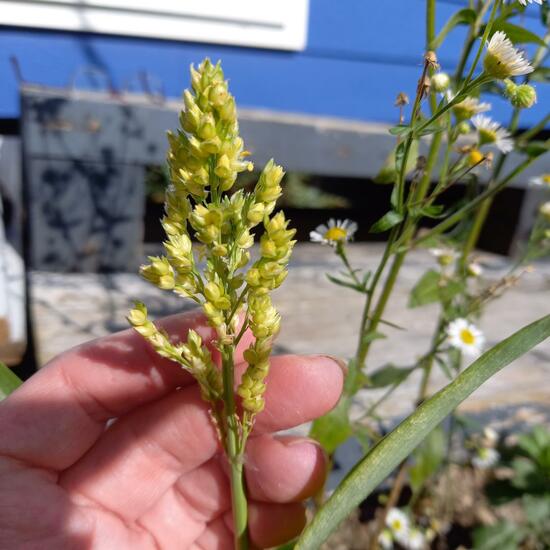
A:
(360, 54)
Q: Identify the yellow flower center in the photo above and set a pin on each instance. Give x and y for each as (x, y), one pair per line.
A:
(396, 525)
(475, 157)
(467, 336)
(546, 179)
(336, 234)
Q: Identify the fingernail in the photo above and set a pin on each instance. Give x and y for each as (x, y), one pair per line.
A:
(340, 362)
(296, 440)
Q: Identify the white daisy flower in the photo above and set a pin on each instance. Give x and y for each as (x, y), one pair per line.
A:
(336, 231)
(398, 523)
(444, 256)
(416, 540)
(385, 539)
(485, 458)
(545, 210)
(491, 132)
(465, 336)
(469, 107)
(503, 60)
(541, 181)
(524, 2)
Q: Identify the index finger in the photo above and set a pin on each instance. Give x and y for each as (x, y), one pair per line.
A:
(57, 415)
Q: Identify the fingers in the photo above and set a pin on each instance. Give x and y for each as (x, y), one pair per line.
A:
(284, 469)
(269, 525)
(142, 455)
(163, 440)
(55, 417)
(299, 389)
(278, 470)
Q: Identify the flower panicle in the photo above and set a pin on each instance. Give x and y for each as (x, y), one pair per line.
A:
(205, 157)
(193, 356)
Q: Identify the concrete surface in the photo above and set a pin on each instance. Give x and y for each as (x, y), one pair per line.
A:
(319, 317)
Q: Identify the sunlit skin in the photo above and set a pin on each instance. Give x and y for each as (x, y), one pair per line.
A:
(155, 478)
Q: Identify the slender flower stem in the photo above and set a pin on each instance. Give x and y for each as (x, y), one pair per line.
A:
(362, 346)
(457, 216)
(478, 81)
(341, 252)
(483, 210)
(488, 28)
(235, 452)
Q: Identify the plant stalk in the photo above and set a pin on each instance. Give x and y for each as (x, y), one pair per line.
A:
(234, 449)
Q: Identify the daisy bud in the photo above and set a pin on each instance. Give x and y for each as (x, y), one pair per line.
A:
(440, 82)
(521, 96)
(463, 128)
(545, 211)
(474, 270)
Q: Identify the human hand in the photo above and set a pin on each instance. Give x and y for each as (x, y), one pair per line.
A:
(155, 478)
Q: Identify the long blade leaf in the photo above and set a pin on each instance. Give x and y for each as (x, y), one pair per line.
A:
(8, 381)
(397, 445)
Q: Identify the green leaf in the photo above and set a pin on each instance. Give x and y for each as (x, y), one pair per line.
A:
(537, 509)
(387, 221)
(535, 443)
(428, 457)
(400, 130)
(371, 336)
(334, 428)
(347, 284)
(540, 74)
(388, 172)
(388, 375)
(432, 288)
(503, 535)
(8, 381)
(517, 34)
(463, 17)
(433, 211)
(434, 128)
(535, 149)
(426, 291)
(398, 444)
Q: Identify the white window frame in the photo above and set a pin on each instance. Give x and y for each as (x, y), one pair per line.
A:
(275, 24)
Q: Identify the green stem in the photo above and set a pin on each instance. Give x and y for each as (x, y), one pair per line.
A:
(481, 79)
(430, 24)
(488, 28)
(483, 210)
(362, 347)
(470, 41)
(457, 216)
(341, 252)
(429, 361)
(235, 451)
